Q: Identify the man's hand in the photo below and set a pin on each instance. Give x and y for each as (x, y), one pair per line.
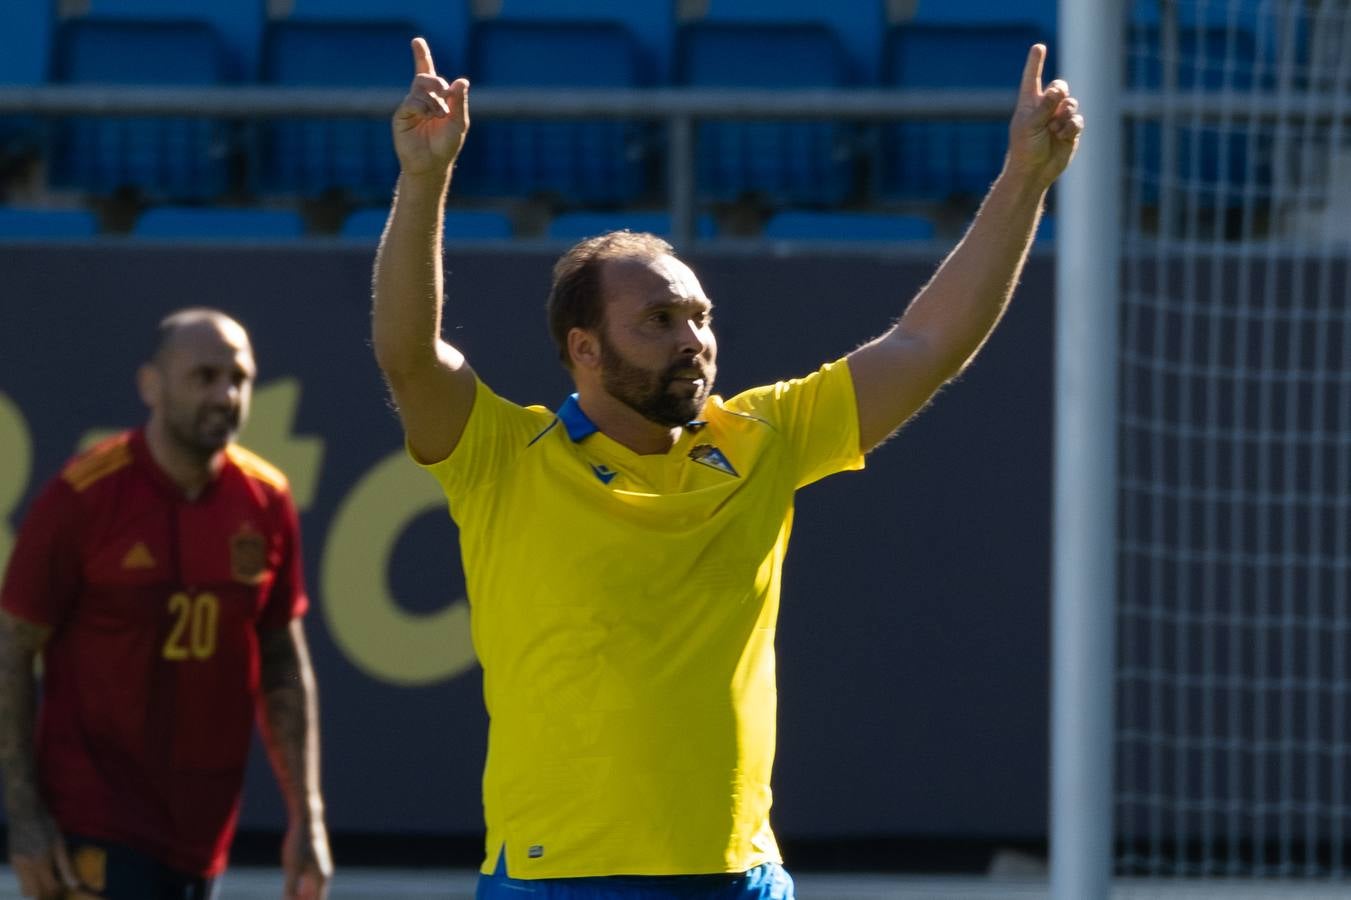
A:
(431, 122)
(1046, 124)
(37, 853)
(306, 863)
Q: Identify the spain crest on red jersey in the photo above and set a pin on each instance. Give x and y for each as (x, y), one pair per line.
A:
(248, 554)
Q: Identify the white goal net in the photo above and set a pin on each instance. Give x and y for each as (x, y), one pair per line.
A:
(1233, 677)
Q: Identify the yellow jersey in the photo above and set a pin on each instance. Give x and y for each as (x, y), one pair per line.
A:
(623, 608)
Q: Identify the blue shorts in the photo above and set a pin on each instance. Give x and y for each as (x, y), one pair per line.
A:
(768, 882)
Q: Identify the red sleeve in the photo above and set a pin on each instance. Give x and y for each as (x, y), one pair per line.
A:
(288, 599)
(43, 578)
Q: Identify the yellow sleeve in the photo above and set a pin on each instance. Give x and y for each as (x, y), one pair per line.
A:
(496, 433)
(817, 415)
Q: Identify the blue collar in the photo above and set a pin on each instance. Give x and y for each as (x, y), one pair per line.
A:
(579, 426)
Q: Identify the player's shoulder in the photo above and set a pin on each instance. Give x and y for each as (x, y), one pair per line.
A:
(826, 390)
(494, 414)
(94, 465)
(257, 469)
(751, 410)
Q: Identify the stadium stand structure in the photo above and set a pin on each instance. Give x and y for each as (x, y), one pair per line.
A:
(459, 225)
(783, 163)
(744, 170)
(25, 60)
(938, 160)
(351, 156)
(857, 26)
(813, 225)
(586, 162)
(651, 25)
(27, 47)
(574, 226)
(238, 24)
(194, 223)
(1040, 14)
(46, 224)
(1206, 156)
(182, 159)
(445, 25)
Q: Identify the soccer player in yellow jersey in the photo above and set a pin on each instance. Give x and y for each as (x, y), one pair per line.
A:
(623, 552)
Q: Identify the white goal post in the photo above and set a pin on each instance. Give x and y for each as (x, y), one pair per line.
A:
(1202, 568)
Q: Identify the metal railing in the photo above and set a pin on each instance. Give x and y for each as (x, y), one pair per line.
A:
(678, 108)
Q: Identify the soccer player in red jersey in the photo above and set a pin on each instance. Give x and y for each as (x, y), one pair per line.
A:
(159, 577)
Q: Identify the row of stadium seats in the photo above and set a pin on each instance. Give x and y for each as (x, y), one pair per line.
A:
(530, 43)
(198, 223)
(579, 163)
(242, 24)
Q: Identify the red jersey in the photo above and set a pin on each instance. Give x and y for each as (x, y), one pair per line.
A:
(151, 673)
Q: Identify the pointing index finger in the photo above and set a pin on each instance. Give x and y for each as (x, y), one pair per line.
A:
(422, 57)
(1036, 58)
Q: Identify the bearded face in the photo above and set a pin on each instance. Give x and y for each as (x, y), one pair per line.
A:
(199, 386)
(202, 424)
(671, 396)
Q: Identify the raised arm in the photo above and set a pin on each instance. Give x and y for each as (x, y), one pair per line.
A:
(37, 850)
(432, 384)
(290, 720)
(950, 318)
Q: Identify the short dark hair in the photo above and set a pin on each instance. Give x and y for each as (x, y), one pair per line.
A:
(170, 325)
(575, 299)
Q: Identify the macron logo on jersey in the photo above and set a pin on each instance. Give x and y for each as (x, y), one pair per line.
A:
(604, 473)
(138, 557)
(708, 455)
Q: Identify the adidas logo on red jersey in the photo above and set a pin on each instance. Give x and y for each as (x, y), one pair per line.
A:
(138, 557)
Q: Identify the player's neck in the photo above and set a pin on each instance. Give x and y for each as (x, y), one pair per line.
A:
(625, 426)
(185, 468)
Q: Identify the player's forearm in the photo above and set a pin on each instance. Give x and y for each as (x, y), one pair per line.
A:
(959, 307)
(406, 323)
(290, 722)
(17, 691)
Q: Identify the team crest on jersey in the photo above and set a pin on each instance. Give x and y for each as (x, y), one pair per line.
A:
(708, 455)
(248, 555)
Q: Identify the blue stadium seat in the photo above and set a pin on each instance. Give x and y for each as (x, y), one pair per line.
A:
(27, 46)
(574, 226)
(1040, 13)
(845, 226)
(586, 162)
(1205, 56)
(238, 24)
(787, 163)
(459, 225)
(46, 224)
(857, 24)
(25, 60)
(651, 24)
(174, 158)
(1213, 165)
(314, 156)
(444, 23)
(1150, 12)
(215, 223)
(935, 160)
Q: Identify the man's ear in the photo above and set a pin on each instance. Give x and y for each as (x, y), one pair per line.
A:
(584, 348)
(149, 384)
